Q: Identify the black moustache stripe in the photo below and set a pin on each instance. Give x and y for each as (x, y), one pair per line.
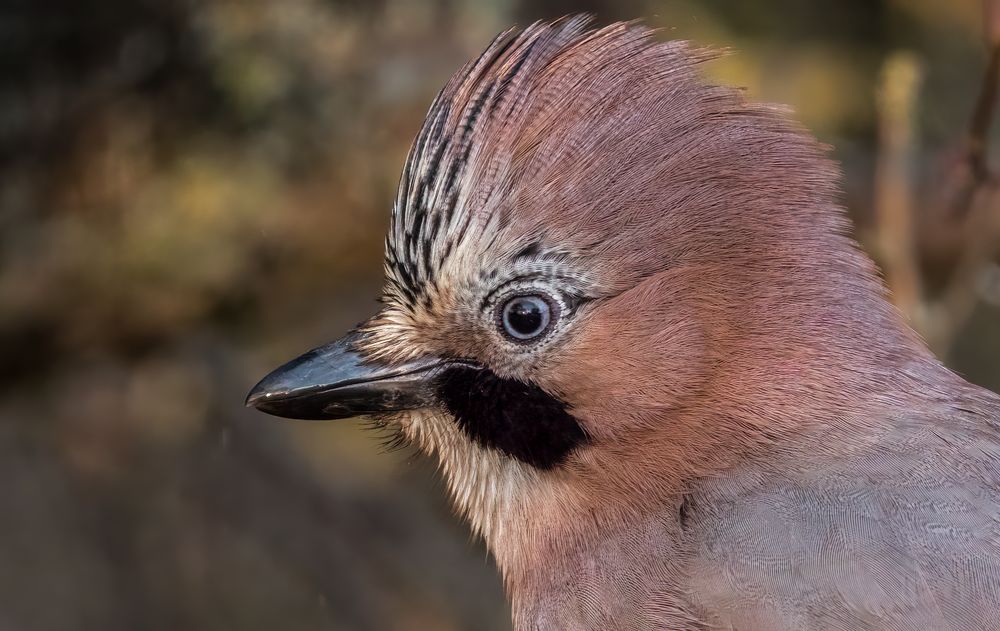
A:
(518, 419)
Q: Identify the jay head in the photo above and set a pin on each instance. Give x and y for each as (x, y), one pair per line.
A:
(622, 312)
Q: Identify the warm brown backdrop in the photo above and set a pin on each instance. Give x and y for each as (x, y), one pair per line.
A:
(191, 192)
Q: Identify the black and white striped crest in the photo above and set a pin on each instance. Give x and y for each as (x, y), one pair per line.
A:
(430, 219)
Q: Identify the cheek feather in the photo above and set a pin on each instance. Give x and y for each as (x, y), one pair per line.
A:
(487, 487)
(518, 419)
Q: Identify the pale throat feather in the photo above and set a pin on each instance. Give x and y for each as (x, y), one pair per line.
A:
(502, 499)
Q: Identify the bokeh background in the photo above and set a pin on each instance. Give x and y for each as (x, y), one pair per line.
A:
(194, 191)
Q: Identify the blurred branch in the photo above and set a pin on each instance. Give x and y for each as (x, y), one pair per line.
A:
(895, 226)
(960, 295)
(974, 202)
(975, 158)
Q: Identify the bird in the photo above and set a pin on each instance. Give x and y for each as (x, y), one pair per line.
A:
(624, 312)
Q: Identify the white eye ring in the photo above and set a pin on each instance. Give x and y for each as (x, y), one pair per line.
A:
(526, 317)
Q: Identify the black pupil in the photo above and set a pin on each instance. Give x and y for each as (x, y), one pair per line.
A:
(525, 316)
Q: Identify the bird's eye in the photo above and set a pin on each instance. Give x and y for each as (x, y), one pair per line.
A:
(525, 318)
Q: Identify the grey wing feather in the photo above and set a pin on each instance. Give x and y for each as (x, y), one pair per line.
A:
(906, 536)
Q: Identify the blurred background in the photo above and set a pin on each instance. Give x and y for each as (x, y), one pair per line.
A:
(194, 191)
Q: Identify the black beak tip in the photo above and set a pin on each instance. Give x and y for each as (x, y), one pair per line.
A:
(334, 382)
(281, 404)
(255, 397)
(273, 395)
(262, 398)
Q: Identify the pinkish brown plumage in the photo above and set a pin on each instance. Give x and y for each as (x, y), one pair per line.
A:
(661, 381)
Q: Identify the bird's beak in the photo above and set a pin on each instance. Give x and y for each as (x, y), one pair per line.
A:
(335, 381)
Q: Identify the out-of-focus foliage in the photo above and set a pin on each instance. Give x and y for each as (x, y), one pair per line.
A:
(191, 192)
